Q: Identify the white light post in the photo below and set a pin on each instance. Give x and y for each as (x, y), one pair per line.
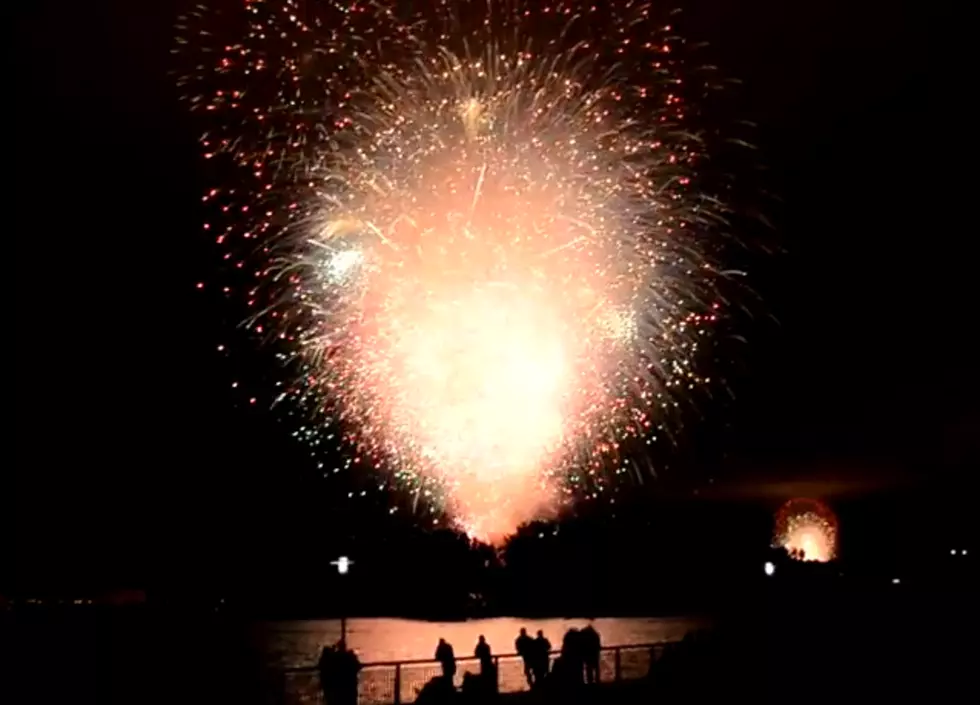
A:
(343, 566)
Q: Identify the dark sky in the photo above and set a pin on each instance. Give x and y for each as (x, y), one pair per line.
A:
(131, 452)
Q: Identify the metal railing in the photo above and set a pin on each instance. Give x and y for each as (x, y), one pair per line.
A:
(398, 682)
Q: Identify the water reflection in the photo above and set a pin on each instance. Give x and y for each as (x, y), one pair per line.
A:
(298, 643)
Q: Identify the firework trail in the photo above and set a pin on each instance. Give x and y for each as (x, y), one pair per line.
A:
(474, 233)
(807, 529)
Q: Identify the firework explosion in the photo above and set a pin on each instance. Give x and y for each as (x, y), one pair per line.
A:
(474, 236)
(807, 529)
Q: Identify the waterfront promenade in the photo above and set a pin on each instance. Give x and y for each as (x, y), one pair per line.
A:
(398, 682)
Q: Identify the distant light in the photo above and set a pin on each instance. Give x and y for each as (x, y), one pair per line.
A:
(952, 552)
(769, 567)
(343, 564)
(896, 581)
(963, 552)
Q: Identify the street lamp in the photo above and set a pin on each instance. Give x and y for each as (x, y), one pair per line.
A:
(343, 566)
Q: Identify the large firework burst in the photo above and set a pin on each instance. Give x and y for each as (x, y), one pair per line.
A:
(475, 232)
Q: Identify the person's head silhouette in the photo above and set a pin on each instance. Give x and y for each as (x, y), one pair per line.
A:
(482, 639)
(541, 634)
(523, 631)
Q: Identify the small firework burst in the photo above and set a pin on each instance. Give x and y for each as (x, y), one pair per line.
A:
(807, 529)
(474, 234)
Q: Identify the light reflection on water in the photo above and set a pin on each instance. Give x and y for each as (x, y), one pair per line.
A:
(298, 643)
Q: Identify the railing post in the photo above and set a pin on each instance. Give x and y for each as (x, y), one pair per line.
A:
(398, 684)
(619, 665)
(496, 674)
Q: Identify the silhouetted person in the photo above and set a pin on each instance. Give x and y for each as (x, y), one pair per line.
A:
(571, 656)
(474, 689)
(524, 646)
(565, 681)
(446, 657)
(326, 668)
(347, 667)
(591, 646)
(482, 652)
(485, 685)
(541, 649)
(338, 668)
(437, 691)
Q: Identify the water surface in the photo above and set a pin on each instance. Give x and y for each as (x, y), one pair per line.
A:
(298, 643)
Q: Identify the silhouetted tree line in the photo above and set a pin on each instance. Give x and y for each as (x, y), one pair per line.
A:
(641, 557)
(662, 559)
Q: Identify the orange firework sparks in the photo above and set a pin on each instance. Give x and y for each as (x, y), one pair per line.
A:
(807, 529)
(490, 265)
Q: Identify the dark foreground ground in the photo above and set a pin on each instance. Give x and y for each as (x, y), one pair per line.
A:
(799, 643)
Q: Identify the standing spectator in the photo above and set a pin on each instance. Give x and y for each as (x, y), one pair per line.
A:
(524, 646)
(446, 657)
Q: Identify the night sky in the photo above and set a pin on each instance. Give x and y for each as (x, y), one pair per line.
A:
(136, 465)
